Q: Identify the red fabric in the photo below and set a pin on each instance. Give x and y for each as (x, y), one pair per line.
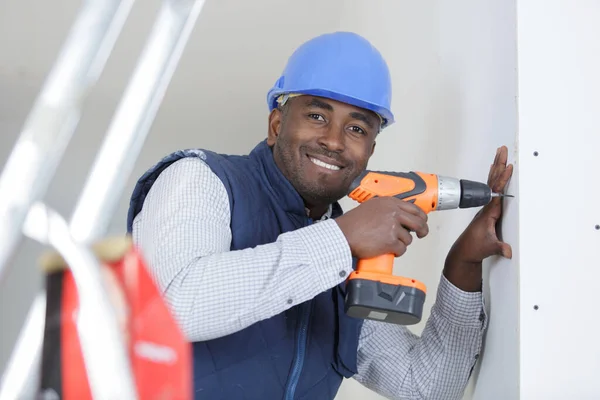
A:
(159, 353)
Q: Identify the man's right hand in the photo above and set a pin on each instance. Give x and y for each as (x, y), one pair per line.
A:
(382, 225)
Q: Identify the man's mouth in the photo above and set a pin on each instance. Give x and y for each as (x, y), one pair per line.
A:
(323, 164)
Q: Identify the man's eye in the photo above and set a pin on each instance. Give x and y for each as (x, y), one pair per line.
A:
(318, 117)
(358, 130)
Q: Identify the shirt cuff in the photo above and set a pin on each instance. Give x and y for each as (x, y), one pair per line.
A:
(460, 307)
(328, 251)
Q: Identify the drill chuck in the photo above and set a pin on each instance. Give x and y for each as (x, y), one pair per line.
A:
(461, 193)
(474, 194)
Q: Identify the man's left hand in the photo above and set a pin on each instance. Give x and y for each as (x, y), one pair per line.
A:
(481, 238)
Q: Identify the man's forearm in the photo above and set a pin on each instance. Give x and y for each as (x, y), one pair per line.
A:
(400, 365)
(465, 275)
(219, 294)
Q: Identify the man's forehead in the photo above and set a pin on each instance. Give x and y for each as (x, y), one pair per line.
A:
(319, 102)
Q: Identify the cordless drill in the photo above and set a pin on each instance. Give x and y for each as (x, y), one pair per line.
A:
(372, 290)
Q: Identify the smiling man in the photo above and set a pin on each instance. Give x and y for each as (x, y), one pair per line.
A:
(319, 158)
(252, 252)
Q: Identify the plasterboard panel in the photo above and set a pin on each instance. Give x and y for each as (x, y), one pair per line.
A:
(559, 135)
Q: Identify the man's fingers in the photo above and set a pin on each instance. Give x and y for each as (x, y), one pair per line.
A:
(404, 236)
(424, 231)
(414, 223)
(506, 175)
(504, 250)
(499, 165)
(502, 158)
(500, 183)
(492, 171)
(412, 209)
(400, 249)
(495, 162)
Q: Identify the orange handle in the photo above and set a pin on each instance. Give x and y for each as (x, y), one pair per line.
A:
(380, 269)
(383, 264)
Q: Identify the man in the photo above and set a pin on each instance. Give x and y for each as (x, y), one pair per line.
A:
(252, 252)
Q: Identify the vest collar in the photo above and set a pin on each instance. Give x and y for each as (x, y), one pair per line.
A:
(279, 187)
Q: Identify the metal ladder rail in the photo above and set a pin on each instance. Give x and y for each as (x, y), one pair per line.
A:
(128, 130)
(133, 118)
(55, 115)
(44, 138)
(21, 377)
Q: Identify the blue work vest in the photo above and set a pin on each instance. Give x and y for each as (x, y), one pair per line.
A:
(302, 353)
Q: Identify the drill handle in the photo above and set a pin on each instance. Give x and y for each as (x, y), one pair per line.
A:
(383, 264)
(380, 269)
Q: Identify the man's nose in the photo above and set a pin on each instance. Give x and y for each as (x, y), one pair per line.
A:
(333, 139)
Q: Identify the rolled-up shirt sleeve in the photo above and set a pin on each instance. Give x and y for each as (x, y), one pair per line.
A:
(436, 365)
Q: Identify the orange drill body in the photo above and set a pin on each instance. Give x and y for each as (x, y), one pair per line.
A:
(373, 291)
(423, 192)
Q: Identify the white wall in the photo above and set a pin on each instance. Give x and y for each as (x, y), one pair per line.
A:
(453, 64)
(559, 113)
(478, 57)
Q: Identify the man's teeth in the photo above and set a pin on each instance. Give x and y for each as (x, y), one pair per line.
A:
(324, 164)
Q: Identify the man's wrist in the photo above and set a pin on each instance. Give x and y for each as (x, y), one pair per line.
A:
(465, 275)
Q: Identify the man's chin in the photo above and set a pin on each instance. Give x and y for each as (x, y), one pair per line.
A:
(322, 196)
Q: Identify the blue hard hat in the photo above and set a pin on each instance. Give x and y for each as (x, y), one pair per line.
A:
(342, 66)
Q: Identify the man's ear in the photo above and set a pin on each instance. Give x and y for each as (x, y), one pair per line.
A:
(275, 120)
(373, 148)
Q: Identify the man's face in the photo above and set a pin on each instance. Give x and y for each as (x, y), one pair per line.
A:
(321, 145)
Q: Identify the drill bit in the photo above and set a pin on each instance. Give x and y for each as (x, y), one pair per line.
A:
(494, 194)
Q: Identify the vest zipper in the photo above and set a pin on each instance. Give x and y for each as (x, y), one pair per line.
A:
(300, 347)
(300, 352)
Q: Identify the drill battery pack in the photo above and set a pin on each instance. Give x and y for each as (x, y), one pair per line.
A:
(395, 303)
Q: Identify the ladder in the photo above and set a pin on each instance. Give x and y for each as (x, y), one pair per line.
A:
(33, 162)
